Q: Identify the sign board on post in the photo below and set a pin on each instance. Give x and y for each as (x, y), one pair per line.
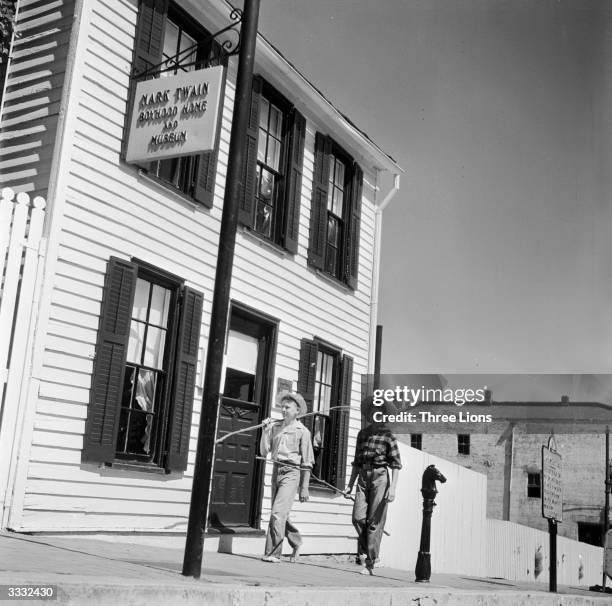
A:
(552, 486)
(175, 115)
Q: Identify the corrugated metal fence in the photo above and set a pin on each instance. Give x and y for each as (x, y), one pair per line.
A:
(520, 553)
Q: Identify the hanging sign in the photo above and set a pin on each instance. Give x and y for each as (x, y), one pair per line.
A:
(175, 115)
(552, 486)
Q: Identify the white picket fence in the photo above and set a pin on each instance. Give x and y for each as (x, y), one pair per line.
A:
(21, 249)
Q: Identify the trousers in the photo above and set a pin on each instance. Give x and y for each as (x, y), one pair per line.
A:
(370, 511)
(285, 481)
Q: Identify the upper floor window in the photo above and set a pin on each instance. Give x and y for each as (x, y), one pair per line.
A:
(336, 212)
(166, 35)
(463, 443)
(271, 194)
(325, 381)
(534, 485)
(144, 373)
(270, 170)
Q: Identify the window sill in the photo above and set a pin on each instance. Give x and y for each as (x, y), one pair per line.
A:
(243, 531)
(264, 242)
(169, 189)
(321, 488)
(334, 281)
(142, 467)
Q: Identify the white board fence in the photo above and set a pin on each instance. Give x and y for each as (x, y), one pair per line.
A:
(21, 249)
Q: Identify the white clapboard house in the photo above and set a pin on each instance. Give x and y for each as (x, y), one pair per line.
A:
(103, 432)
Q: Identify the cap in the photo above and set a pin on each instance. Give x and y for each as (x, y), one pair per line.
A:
(292, 395)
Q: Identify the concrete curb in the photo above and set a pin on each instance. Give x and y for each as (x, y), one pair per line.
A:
(195, 593)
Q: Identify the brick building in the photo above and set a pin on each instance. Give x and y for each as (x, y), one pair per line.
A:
(509, 451)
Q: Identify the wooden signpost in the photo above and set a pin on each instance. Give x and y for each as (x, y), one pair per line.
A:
(552, 502)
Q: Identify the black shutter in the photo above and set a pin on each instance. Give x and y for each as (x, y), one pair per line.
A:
(351, 254)
(293, 188)
(183, 385)
(148, 47)
(246, 209)
(318, 211)
(307, 370)
(109, 366)
(340, 424)
(204, 189)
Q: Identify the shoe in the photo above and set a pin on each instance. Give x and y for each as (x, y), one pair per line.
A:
(366, 570)
(272, 559)
(295, 556)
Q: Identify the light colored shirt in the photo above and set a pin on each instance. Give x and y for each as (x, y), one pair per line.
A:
(291, 444)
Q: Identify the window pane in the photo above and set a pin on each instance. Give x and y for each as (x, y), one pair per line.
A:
(134, 352)
(264, 108)
(141, 300)
(170, 44)
(261, 146)
(339, 178)
(160, 304)
(267, 185)
(330, 198)
(276, 122)
(239, 385)
(332, 231)
(337, 202)
(318, 434)
(263, 219)
(274, 149)
(331, 171)
(154, 352)
(187, 42)
(330, 260)
(325, 399)
(145, 390)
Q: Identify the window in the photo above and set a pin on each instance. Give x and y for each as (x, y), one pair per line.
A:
(269, 169)
(325, 380)
(326, 384)
(463, 444)
(270, 197)
(416, 440)
(167, 42)
(591, 532)
(534, 485)
(336, 193)
(146, 371)
(335, 213)
(144, 374)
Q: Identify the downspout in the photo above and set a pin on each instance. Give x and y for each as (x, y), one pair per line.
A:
(376, 270)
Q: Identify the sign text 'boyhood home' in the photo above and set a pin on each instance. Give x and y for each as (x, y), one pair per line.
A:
(175, 115)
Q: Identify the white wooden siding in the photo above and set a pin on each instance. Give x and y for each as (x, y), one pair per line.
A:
(112, 210)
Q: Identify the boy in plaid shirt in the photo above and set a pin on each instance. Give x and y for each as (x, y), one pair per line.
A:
(376, 451)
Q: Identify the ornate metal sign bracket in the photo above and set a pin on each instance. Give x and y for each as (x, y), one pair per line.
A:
(217, 52)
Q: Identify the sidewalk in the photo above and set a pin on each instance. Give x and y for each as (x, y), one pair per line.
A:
(97, 572)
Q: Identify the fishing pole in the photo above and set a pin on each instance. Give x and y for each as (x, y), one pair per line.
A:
(346, 495)
(253, 427)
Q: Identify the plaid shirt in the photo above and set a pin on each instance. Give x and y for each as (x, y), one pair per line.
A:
(377, 447)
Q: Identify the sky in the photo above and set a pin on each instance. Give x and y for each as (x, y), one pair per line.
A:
(496, 251)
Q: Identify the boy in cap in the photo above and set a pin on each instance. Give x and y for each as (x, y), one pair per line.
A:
(290, 445)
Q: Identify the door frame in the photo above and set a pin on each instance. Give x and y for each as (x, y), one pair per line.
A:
(271, 325)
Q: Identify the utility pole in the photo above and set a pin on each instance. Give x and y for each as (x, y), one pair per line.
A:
(200, 493)
(606, 503)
